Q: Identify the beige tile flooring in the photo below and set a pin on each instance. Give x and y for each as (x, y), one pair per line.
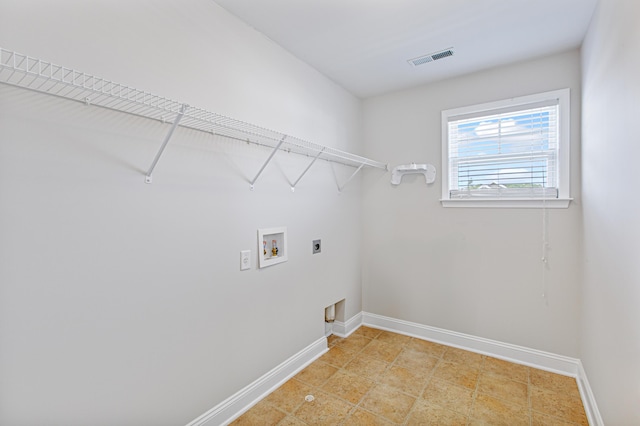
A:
(376, 377)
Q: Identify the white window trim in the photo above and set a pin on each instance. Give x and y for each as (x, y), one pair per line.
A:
(563, 200)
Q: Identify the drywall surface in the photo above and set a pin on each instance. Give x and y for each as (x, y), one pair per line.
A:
(610, 340)
(123, 303)
(471, 270)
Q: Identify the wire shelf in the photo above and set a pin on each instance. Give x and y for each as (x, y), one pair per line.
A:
(45, 77)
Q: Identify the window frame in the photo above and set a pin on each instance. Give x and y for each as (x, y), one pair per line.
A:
(563, 199)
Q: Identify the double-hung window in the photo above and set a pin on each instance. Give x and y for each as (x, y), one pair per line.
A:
(512, 153)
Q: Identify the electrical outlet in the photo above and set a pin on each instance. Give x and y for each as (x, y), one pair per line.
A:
(245, 260)
(316, 246)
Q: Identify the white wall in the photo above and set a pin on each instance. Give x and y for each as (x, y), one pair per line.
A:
(610, 343)
(475, 271)
(122, 303)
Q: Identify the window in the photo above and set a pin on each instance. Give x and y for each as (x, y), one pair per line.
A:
(512, 153)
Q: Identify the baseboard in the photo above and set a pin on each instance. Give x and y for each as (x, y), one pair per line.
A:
(518, 354)
(513, 353)
(234, 406)
(344, 329)
(588, 399)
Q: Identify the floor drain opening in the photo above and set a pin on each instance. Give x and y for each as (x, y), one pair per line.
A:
(309, 398)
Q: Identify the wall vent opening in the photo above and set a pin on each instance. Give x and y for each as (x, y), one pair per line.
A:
(421, 60)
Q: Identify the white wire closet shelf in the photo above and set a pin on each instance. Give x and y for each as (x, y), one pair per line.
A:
(45, 77)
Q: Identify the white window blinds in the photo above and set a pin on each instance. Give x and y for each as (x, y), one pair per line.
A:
(511, 152)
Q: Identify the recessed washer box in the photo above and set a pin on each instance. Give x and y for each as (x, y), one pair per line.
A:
(272, 246)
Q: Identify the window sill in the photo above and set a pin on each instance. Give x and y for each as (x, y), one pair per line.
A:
(516, 203)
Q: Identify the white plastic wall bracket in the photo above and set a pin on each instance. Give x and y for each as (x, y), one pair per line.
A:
(428, 170)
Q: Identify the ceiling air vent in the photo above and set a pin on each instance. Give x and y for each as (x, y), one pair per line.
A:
(421, 60)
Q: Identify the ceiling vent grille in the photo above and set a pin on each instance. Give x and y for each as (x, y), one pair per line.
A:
(421, 60)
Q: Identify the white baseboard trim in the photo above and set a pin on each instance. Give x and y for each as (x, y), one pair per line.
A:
(588, 399)
(344, 329)
(518, 354)
(234, 406)
(513, 353)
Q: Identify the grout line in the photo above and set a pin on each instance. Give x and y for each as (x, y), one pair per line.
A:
(529, 396)
(357, 405)
(476, 390)
(364, 396)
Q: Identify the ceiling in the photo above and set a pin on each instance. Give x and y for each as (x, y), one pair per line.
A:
(364, 45)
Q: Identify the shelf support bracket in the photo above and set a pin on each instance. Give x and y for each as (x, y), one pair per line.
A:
(268, 160)
(340, 188)
(176, 121)
(293, 187)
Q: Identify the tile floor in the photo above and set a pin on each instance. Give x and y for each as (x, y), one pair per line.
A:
(376, 377)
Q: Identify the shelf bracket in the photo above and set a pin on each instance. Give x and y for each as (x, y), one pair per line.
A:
(293, 187)
(340, 188)
(148, 178)
(268, 160)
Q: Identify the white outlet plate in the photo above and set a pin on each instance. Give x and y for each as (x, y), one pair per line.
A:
(245, 260)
